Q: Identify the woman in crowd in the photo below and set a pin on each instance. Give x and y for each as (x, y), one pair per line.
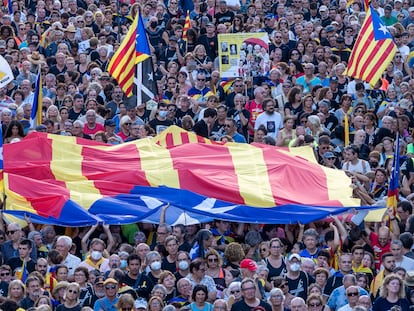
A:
(392, 293)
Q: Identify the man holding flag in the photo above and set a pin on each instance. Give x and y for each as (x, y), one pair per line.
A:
(23, 260)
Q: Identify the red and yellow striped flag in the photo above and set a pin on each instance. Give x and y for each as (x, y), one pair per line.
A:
(133, 50)
(187, 25)
(373, 51)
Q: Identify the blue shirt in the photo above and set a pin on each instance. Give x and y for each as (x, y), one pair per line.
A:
(106, 304)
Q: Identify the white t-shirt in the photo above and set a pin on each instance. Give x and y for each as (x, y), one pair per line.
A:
(273, 123)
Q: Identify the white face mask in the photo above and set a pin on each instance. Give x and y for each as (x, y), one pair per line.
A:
(96, 255)
(183, 265)
(156, 265)
(294, 267)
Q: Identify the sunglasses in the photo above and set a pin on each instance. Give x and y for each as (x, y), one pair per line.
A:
(12, 231)
(234, 291)
(201, 79)
(352, 294)
(212, 260)
(314, 305)
(110, 286)
(127, 123)
(263, 250)
(72, 291)
(5, 274)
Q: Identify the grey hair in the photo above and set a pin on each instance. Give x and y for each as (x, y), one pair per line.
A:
(66, 239)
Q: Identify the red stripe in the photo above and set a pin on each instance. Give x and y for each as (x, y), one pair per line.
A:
(184, 138)
(219, 160)
(286, 179)
(130, 173)
(169, 141)
(364, 41)
(123, 53)
(35, 157)
(381, 60)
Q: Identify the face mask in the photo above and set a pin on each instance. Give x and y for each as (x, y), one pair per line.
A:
(107, 28)
(183, 265)
(153, 24)
(163, 113)
(96, 255)
(295, 267)
(123, 264)
(156, 265)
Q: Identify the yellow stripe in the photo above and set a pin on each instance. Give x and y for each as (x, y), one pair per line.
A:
(157, 164)
(118, 71)
(66, 166)
(375, 215)
(141, 58)
(251, 175)
(338, 187)
(15, 202)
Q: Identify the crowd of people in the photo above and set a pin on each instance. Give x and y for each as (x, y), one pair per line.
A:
(302, 99)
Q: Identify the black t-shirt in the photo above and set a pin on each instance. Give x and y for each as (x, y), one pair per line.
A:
(299, 287)
(170, 266)
(201, 128)
(75, 115)
(226, 17)
(159, 125)
(143, 285)
(63, 308)
(16, 262)
(242, 306)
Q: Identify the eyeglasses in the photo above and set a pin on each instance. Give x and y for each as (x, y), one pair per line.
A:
(72, 291)
(5, 274)
(227, 125)
(110, 286)
(234, 291)
(198, 79)
(212, 260)
(12, 231)
(352, 294)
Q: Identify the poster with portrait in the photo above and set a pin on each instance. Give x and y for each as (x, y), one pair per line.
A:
(244, 54)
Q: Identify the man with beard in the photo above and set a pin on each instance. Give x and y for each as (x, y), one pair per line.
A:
(388, 262)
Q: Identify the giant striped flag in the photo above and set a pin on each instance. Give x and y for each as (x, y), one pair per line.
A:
(373, 51)
(237, 182)
(134, 49)
(36, 115)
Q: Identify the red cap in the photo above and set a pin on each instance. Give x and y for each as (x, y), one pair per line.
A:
(248, 264)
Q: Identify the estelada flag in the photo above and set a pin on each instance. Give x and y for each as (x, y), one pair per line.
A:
(373, 51)
(133, 50)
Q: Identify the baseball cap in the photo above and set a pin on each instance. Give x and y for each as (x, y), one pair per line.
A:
(294, 256)
(323, 8)
(333, 79)
(330, 28)
(248, 264)
(140, 304)
(329, 155)
(109, 123)
(99, 280)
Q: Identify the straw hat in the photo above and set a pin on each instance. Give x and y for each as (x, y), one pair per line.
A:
(61, 284)
(36, 58)
(71, 28)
